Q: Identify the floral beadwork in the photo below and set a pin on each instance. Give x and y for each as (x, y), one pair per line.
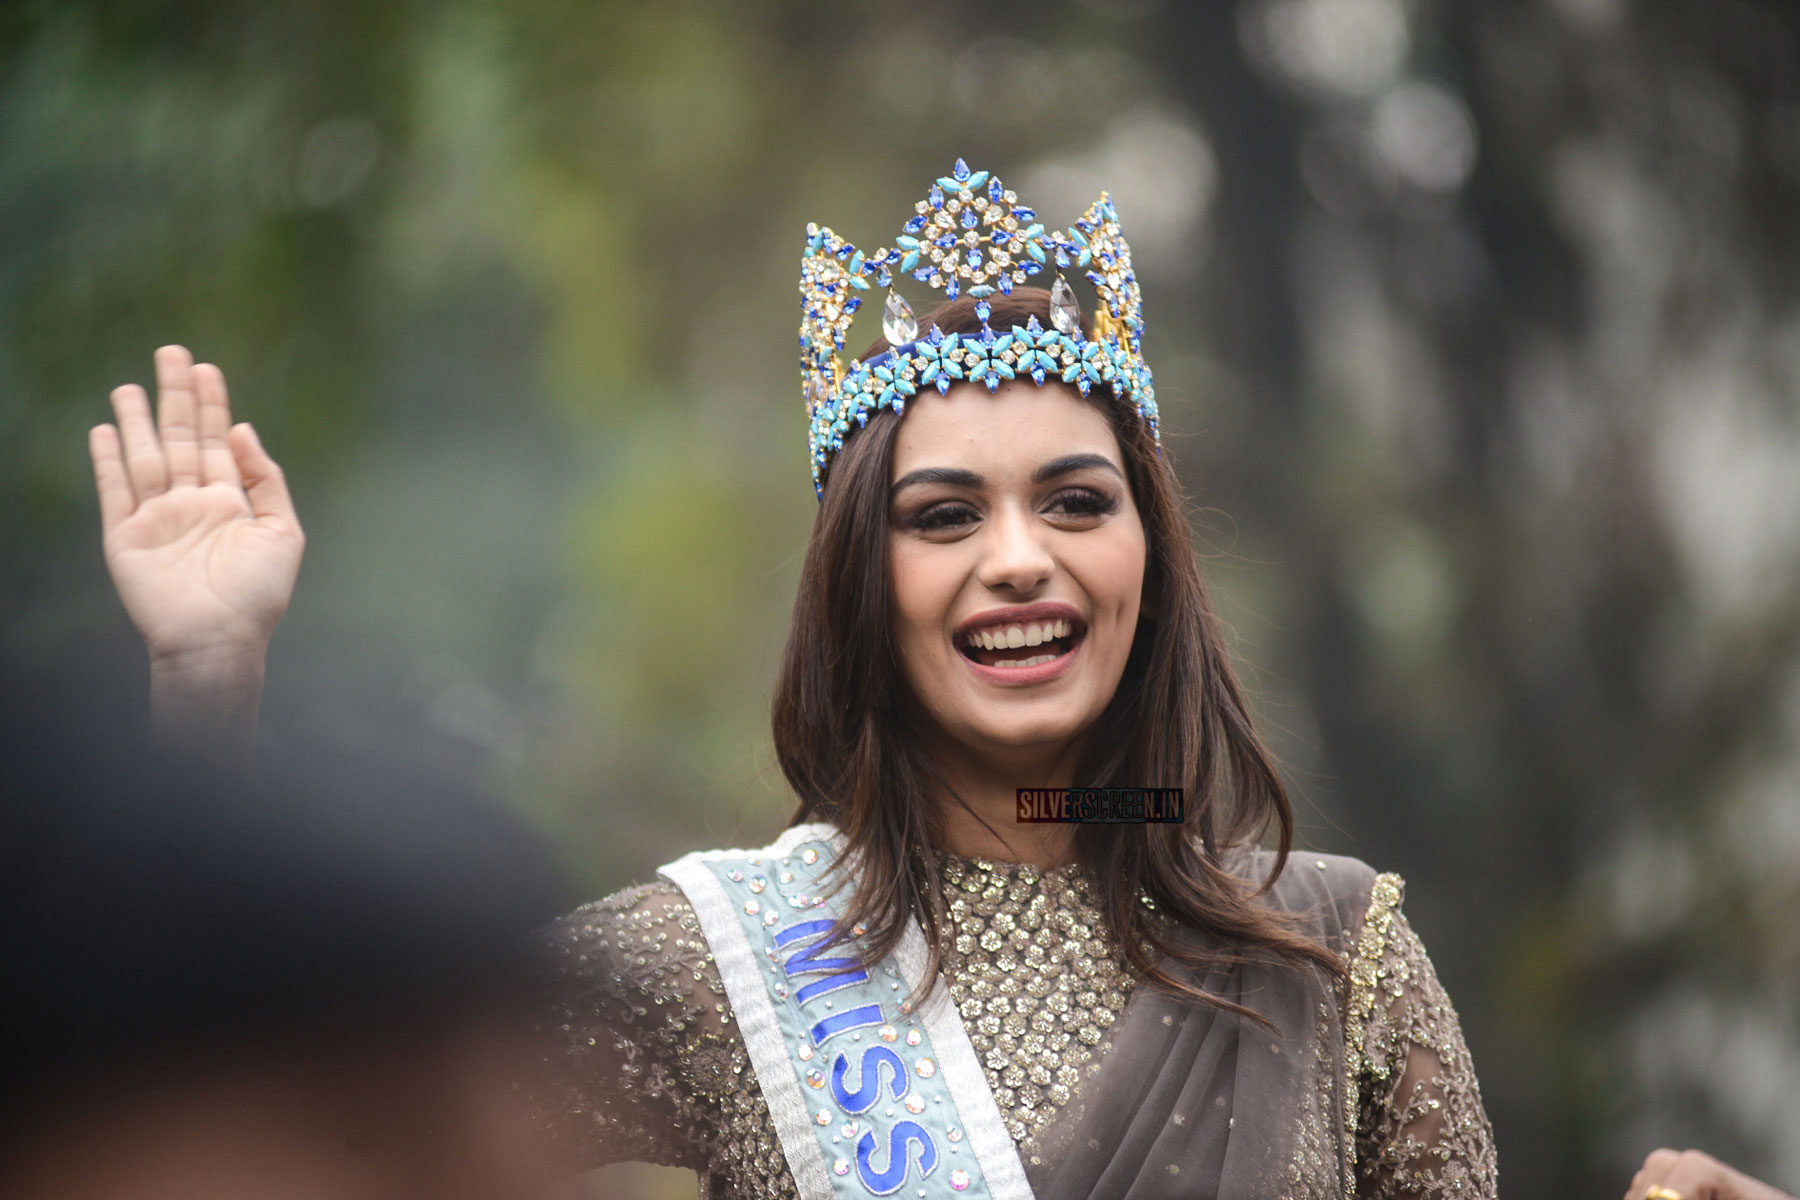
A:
(970, 235)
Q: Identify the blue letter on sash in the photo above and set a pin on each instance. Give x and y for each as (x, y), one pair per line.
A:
(845, 972)
(869, 1090)
(859, 1017)
(806, 961)
(883, 1183)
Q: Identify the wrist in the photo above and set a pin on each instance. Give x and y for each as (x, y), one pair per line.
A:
(206, 702)
(215, 664)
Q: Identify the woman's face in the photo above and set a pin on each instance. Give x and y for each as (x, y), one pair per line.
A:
(1017, 559)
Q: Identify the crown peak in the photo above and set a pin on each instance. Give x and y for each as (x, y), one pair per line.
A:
(970, 236)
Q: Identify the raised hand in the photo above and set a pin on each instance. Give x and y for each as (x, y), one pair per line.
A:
(203, 545)
(200, 534)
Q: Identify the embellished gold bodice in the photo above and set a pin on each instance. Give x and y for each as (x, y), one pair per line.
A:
(650, 1067)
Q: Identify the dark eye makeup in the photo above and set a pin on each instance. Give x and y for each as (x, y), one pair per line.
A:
(951, 514)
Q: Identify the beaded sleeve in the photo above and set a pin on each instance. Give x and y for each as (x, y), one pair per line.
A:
(1420, 1126)
(646, 1063)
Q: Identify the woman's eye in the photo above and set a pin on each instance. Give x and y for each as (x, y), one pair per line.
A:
(1082, 502)
(942, 516)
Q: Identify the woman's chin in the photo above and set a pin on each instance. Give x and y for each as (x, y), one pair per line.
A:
(1004, 729)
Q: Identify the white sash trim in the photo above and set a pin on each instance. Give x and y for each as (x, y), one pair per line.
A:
(754, 1011)
(963, 1076)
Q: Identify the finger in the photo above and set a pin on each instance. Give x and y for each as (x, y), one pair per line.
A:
(144, 462)
(1658, 1164)
(216, 462)
(110, 480)
(1699, 1176)
(175, 418)
(263, 479)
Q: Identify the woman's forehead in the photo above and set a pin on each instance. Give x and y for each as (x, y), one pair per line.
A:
(1008, 432)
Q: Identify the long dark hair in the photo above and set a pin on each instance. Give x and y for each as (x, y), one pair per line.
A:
(845, 741)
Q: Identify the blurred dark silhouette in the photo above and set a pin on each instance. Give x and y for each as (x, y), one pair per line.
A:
(314, 981)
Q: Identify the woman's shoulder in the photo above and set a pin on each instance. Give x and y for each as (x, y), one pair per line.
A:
(1338, 893)
(642, 933)
(640, 901)
(644, 1050)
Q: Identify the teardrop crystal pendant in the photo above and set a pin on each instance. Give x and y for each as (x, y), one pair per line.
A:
(898, 324)
(1065, 314)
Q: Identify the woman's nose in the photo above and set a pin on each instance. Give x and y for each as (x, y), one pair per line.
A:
(1015, 557)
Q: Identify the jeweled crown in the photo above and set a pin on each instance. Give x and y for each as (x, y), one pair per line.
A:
(969, 236)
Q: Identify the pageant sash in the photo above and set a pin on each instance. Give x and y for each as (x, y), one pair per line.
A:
(870, 1095)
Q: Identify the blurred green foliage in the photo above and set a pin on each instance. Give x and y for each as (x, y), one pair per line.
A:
(1476, 327)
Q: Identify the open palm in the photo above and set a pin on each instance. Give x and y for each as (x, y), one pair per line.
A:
(200, 534)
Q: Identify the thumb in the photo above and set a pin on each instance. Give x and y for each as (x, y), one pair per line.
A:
(263, 480)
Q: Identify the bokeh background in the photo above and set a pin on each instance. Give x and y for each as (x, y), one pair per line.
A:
(1476, 331)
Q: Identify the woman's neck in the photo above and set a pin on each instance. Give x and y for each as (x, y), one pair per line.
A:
(980, 818)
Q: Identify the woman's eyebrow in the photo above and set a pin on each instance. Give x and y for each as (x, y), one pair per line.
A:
(959, 477)
(954, 476)
(1073, 462)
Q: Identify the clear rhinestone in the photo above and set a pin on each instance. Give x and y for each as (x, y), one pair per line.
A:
(898, 324)
(1065, 314)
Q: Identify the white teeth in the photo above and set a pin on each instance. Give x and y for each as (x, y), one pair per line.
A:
(1011, 637)
(1035, 660)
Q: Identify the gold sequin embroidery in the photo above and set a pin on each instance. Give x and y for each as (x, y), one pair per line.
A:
(1037, 978)
(649, 1065)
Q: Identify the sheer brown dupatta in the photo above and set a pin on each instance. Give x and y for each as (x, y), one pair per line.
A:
(1192, 1101)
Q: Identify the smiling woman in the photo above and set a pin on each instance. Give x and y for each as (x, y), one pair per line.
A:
(999, 592)
(909, 989)
(982, 512)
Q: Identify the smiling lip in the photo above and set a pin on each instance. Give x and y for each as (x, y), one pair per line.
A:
(1024, 615)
